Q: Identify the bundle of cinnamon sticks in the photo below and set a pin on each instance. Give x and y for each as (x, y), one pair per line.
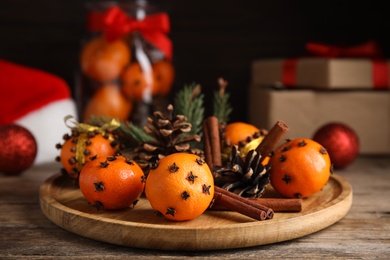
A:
(262, 208)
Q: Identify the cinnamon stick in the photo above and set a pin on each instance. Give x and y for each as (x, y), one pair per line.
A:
(280, 205)
(255, 207)
(271, 139)
(213, 126)
(277, 204)
(238, 206)
(212, 144)
(207, 145)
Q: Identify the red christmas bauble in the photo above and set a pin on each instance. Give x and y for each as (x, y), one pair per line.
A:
(18, 149)
(341, 142)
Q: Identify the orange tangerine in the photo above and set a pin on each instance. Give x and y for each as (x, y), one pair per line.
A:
(104, 61)
(135, 82)
(79, 147)
(300, 168)
(112, 183)
(163, 74)
(181, 187)
(238, 132)
(108, 101)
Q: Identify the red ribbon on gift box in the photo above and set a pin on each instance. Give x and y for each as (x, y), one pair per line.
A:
(380, 70)
(153, 28)
(368, 49)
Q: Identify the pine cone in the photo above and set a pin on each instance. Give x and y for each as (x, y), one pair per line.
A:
(170, 135)
(246, 177)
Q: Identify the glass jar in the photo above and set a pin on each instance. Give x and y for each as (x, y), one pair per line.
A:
(125, 62)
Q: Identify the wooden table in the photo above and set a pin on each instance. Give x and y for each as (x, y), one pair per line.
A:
(363, 233)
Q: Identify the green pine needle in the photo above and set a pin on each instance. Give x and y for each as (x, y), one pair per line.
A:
(127, 129)
(135, 132)
(189, 102)
(221, 106)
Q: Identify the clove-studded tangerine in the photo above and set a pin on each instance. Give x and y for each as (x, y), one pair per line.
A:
(300, 168)
(137, 82)
(245, 136)
(163, 76)
(113, 182)
(180, 187)
(84, 142)
(240, 133)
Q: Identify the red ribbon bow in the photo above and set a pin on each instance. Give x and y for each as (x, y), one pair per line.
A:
(153, 28)
(368, 49)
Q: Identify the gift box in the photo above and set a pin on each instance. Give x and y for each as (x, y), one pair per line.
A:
(322, 73)
(306, 110)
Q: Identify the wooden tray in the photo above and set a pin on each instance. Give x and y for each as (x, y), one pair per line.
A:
(63, 203)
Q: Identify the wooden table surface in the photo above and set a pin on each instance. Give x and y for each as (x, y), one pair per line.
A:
(364, 233)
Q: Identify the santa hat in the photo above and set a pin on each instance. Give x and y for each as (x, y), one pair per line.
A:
(37, 100)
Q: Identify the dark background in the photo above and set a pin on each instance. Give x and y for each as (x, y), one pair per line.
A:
(211, 38)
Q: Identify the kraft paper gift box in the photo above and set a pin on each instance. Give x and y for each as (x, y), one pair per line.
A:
(305, 110)
(322, 73)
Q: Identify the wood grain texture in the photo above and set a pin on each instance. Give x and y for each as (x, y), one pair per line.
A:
(62, 202)
(26, 233)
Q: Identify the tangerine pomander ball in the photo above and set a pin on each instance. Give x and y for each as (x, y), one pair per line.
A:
(78, 148)
(240, 132)
(135, 83)
(112, 183)
(300, 168)
(163, 74)
(180, 187)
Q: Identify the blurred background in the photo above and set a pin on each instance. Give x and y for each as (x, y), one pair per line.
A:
(211, 38)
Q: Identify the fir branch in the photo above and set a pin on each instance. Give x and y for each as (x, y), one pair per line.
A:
(94, 120)
(127, 129)
(135, 132)
(189, 102)
(221, 106)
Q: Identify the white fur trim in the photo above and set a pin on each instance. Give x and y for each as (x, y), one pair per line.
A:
(47, 125)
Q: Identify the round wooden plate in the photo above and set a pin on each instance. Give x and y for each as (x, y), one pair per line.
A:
(63, 203)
